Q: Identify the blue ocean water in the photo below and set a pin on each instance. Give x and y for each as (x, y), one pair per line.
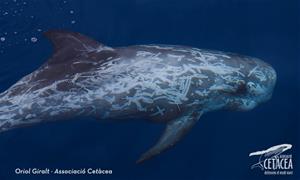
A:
(217, 148)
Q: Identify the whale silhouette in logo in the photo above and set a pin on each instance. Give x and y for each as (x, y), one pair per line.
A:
(169, 84)
(272, 152)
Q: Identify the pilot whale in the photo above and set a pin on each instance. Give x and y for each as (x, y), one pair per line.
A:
(168, 84)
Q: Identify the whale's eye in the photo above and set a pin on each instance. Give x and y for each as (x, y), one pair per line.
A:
(242, 88)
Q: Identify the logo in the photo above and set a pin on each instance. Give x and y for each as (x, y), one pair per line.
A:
(274, 160)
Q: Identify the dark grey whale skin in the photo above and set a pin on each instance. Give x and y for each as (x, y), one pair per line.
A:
(160, 83)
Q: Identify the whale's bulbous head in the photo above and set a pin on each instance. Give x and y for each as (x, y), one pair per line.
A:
(255, 87)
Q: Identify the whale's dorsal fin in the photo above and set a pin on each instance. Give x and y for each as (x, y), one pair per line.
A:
(71, 44)
(174, 131)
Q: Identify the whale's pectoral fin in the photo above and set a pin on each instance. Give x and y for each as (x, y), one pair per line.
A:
(174, 131)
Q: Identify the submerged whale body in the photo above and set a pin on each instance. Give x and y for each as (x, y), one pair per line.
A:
(161, 83)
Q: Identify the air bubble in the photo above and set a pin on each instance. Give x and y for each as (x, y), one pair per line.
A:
(34, 39)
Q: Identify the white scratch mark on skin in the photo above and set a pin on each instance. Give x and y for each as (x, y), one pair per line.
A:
(159, 111)
(178, 57)
(261, 76)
